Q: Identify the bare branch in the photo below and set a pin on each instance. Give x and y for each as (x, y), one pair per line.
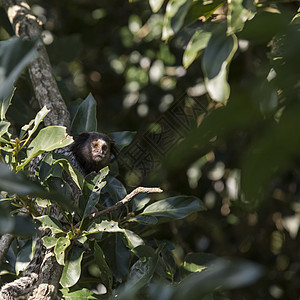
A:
(27, 26)
(125, 200)
(5, 242)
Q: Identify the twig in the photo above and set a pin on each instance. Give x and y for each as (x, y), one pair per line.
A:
(122, 202)
(5, 242)
(125, 200)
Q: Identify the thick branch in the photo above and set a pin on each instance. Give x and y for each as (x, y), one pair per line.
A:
(49, 280)
(5, 242)
(125, 200)
(27, 26)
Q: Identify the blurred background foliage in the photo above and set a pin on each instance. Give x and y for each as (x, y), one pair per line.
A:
(242, 161)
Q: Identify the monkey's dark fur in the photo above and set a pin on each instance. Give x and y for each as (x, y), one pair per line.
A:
(90, 151)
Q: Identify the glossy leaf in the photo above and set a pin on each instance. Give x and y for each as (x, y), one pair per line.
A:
(24, 257)
(15, 55)
(202, 8)
(51, 223)
(197, 43)
(215, 63)
(4, 125)
(95, 195)
(85, 118)
(177, 207)
(72, 270)
(5, 103)
(60, 248)
(49, 241)
(133, 240)
(76, 295)
(175, 13)
(238, 15)
(104, 226)
(117, 256)
(33, 124)
(48, 139)
(105, 272)
(156, 5)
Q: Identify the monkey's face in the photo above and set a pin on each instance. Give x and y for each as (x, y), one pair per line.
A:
(100, 150)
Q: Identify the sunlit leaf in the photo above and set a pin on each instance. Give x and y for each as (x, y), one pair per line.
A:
(156, 5)
(133, 240)
(48, 139)
(72, 270)
(60, 248)
(177, 207)
(175, 13)
(76, 295)
(5, 103)
(215, 63)
(51, 223)
(33, 124)
(49, 241)
(197, 43)
(104, 226)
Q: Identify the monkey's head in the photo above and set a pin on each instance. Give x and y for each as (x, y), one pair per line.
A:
(92, 150)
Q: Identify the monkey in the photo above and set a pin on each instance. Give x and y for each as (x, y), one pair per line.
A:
(90, 152)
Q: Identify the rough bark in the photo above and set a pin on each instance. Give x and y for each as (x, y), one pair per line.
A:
(5, 241)
(27, 26)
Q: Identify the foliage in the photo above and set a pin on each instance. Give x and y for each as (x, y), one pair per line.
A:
(242, 159)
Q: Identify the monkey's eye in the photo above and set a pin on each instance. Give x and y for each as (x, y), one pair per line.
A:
(95, 144)
(104, 147)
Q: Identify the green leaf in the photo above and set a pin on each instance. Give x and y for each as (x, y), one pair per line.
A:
(104, 226)
(48, 139)
(177, 207)
(117, 256)
(49, 241)
(77, 295)
(133, 240)
(4, 125)
(51, 223)
(24, 257)
(85, 119)
(197, 43)
(90, 186)
(105, 272)
(16, 183)
(60, 248)
(238, 15)
(215, 63)
(36, 122)
(202, 8)
(95, 195)
(156, 5)
(72, 270)
(5, 103)
(175, 13)
(72, 172)
(15, 55)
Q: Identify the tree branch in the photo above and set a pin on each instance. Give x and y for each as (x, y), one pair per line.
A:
(125, 200)
(27, 26)
(5, 241)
